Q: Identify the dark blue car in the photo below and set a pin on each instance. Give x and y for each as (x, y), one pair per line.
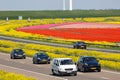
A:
(41, 57)
(79, 45)
(17, 53)
(88, 63)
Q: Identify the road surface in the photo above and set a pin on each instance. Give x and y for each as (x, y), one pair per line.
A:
(43, 71)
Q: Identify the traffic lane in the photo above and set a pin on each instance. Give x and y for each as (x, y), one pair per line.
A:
(104, 75)
(24, 66)
(27, 69)
(28, 60)
(27, 73)
(46, 69)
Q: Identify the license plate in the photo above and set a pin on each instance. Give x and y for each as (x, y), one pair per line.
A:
(93, 68)
(68, 71)
(20, 55)
(44, 60)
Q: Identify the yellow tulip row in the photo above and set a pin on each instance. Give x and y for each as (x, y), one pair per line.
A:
(110, 65)
(102, 19)
(54, 52)
(12, 76)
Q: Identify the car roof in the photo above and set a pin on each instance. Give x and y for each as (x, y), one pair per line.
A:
(40, 53)
(61, 58)
(17, 49)
(87, 56)
(80, 42)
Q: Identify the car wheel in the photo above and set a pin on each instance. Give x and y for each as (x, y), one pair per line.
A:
(33, 62)
(11, 57)
(84, 47)
(78, 69)
(53, 72)
(83, 69)
(59, 73)
(36, 62)
(48, 62)
(75, 74)
(99, 70)
(24, 57)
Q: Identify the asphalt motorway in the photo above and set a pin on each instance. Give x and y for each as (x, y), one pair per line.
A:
(43, 71)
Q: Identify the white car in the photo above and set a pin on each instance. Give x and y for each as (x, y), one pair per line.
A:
(61, 66)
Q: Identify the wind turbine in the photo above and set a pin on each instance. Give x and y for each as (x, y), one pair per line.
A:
(70, 5)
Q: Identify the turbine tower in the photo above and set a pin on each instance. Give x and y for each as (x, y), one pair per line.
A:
(63, 4)
(70, 5)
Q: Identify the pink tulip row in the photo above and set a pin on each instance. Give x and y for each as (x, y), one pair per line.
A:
(46, 26)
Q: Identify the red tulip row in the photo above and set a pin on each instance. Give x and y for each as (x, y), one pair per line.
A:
(94, 34)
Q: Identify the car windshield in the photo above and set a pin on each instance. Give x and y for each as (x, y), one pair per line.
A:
(19, 51)
(87, 59)
(80, 42)
(42, 55)
(66, 62)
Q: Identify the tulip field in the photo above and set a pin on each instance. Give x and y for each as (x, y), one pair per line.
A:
(61, 31)
(78, 31)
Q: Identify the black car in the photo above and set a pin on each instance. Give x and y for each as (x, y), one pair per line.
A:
(88, 63)
(17, 53)
(79, 45)
(41, 57)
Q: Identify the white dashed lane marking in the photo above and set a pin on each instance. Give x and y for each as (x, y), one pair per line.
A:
(105, 78)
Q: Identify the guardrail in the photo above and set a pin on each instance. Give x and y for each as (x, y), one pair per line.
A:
(103, 46)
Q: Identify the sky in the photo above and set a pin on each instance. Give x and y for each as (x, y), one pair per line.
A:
(57, 4)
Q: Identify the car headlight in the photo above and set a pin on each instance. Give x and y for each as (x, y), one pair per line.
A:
(38, 58)
(86, 64)
(15, 54)
(60, 69)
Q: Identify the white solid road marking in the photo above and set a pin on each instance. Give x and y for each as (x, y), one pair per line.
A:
(34, 72)
(105, 78)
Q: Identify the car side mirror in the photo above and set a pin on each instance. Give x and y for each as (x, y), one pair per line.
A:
(97, 60)
(75, 63)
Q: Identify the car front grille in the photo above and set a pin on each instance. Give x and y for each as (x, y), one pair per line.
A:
(69, 69)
